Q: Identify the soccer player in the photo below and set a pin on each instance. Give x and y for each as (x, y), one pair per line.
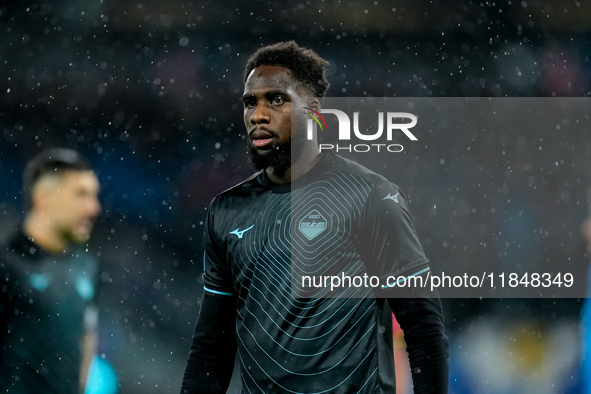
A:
(47, 287)
(342, 217)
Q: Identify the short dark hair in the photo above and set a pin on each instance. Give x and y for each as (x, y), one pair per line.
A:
(55, 161)
(305, 64)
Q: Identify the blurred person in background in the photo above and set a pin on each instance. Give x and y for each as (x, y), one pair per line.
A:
(48, 285)
(288, 343)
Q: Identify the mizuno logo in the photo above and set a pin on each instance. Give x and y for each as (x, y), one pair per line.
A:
(392, 197)
(240, 233)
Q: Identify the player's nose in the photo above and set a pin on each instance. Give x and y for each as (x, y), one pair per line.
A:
(94, 207)
(261, 114)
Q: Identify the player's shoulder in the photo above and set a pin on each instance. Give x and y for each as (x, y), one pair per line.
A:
(18, 244)
(356, 170)
(20, 252)
(247, 187)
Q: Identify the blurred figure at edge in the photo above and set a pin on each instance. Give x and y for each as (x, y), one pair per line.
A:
(48, 284)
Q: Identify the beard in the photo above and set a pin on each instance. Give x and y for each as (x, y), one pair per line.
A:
(280, 158)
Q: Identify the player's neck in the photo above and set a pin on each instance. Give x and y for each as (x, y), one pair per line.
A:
(39, 230)
(298, 168)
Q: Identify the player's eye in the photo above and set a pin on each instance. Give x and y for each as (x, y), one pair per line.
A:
(277, 100)
(249, 103)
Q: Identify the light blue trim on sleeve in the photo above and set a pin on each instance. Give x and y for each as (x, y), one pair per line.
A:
(216, 292)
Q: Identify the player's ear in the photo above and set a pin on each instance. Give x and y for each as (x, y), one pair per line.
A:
(314, 104)
(40, 196)
(43, 194)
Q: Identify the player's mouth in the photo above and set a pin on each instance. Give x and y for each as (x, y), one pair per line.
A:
(86, 225)
(81, 232)
(261, 138)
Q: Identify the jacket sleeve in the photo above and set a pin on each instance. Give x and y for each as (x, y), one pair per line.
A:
(213, 349)
(421, 320)
(391, 248)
